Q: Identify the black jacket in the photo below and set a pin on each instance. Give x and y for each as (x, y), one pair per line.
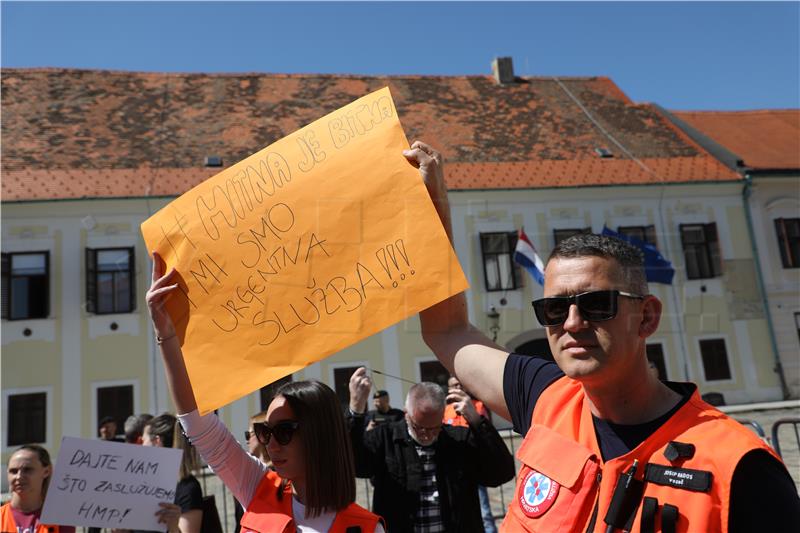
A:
(465, 458)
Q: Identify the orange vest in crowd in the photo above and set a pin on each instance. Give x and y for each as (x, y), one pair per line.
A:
(563, 477)
(454, 419)
(7, 524)
(268, 514)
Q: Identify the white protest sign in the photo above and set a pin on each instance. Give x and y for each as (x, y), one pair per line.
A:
(99, 483)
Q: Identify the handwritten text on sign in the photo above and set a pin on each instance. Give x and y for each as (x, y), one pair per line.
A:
(99, 483)
(304, 248)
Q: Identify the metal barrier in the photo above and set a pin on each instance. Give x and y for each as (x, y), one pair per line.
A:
(755, 427)
(795, 422)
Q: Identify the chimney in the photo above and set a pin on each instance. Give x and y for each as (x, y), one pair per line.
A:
(503, 70)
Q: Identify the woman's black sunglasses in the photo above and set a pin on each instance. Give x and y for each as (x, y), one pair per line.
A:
(594, 306)
(283, 432)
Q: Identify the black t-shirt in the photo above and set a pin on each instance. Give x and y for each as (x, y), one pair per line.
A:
(189, 495)
(763, 494)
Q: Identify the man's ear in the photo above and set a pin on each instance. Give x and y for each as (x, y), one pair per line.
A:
(48, 471)
(651, 316)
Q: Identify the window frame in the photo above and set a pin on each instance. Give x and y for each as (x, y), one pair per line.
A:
(511, 243)
(648, 232)
(93, 285)
(663, 369)
(7, 284)
(95, 407)
(709, 248)
(354, 365)
(788, 259)
(724, 342)
(428, 360)
(6, 414)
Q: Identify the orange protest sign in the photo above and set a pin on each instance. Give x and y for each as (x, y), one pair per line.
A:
(319, 240)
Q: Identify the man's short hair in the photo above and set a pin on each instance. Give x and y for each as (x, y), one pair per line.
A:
(134, 426)
(425, 393)
(629, 257)
(105, 420)
(380, 394)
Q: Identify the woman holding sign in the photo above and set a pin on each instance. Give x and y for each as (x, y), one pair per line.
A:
(312, 488)
(29, 471)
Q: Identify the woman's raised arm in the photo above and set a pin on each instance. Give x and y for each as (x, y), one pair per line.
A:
(160, 290)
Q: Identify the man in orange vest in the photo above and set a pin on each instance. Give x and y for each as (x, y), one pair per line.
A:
(608, 446)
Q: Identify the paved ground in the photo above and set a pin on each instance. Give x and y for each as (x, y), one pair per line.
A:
(500, 496)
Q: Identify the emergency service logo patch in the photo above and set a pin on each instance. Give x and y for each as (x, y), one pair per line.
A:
(537, 493)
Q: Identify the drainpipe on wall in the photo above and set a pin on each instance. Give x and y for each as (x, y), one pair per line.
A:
(778, 368)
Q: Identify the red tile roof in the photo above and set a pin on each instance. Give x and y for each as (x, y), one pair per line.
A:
(71, 133)
(763, 139)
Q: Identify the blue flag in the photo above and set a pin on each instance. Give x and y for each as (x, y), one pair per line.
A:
(656, 268)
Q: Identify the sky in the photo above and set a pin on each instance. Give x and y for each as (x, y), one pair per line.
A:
(681, 55)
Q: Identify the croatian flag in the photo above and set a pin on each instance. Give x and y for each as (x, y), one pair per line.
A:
(525, 255)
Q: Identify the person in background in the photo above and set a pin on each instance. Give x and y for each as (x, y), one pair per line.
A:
(312, 487)
(383, 411)
(256, 449)
(426, 475)
(134, 427)
(454, 418)
(164, 431)
(29, 471)
(107, 428)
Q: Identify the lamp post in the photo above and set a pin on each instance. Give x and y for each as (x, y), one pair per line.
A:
(494, 322)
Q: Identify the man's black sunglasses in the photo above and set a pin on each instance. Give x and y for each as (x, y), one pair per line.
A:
(283, 432)
(594, 306)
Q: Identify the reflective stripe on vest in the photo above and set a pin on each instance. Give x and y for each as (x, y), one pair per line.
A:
(563, 475)
(267, 513)
(9, 526)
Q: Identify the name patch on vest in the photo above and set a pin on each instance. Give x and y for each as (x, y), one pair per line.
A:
(537, 493)
(680, 478)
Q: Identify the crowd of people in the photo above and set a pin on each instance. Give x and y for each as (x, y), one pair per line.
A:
(607, 444)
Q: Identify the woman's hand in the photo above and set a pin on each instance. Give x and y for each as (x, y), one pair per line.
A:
(160, 290)
(169, 514)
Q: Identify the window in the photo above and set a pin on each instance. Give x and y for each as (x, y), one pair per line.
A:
(715, 359)
(434, 372)
(655, 354)
(701, 250)
(646, 234)
(110, 280)
(26, 285)
(788, 230)
(797, 323)
(268, 393)
(499, 268)
(27, 418)
(116, 402)
(341, 383)
(561, 234)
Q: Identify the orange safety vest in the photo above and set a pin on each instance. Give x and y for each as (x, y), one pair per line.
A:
(452, 418)
(267, 514)
(7, 524)
(563, 479)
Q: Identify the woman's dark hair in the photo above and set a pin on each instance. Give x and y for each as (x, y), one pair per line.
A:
(163, 427)
(44, 458)
(167, 429)
(328, 454)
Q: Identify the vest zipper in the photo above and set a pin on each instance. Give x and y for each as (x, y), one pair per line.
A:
(593, 519)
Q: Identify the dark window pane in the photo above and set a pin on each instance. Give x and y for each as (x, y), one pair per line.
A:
(105, 294)
(28, 284)
(267, 393)
(715, 359)
(434, 372)
(116, 402)
(19, 304)
(788, 232)
(341, 381)
(655, 354)
(27, 418)
(122, 294)
(498, 266)
(701, 250)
